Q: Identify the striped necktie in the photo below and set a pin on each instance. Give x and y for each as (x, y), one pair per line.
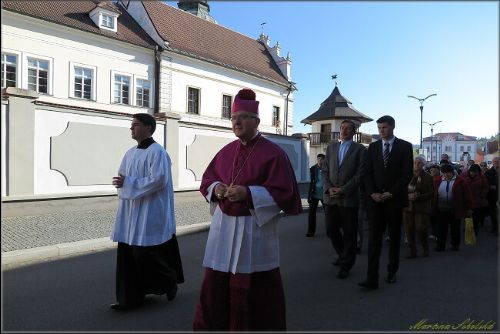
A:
(386, 153)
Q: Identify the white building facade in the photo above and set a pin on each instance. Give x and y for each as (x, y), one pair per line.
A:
(70, 84)
(456, 145)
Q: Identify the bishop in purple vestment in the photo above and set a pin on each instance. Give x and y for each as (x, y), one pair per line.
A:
(248, 183)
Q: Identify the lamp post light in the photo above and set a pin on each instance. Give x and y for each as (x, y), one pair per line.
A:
(432, 132)
(421, 112)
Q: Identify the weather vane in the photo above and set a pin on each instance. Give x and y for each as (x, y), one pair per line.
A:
(262, 27)
(334, 77)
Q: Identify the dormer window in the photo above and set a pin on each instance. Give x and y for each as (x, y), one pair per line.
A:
(107, 22)
(105, 16)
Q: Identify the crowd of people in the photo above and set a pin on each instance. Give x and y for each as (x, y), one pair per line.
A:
(391, 192)
(250, 182)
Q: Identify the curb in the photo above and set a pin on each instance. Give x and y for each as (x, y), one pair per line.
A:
(22, 257)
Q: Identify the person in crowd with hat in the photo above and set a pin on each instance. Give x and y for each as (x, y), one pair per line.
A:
(445, 159)
(148, 259)
(248, 183)
(452, 198)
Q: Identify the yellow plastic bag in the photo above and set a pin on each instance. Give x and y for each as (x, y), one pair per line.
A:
(470, 236)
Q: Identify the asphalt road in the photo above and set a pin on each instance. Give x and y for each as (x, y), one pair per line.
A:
(74, 294)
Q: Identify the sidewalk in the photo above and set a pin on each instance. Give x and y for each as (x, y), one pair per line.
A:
(36, 231)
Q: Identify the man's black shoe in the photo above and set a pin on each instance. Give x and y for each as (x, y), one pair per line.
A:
(342, 274)
(336, 262)
(368, 285)
(172, 293)
(391, 278)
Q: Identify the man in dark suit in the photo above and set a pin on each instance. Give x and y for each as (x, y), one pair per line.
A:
(343, 171)
(315, 194)
(389, 166)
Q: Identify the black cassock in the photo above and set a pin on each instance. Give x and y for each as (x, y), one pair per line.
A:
(142, 270)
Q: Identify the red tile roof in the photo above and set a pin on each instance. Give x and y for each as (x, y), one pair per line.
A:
(193, 36)
(75, 14)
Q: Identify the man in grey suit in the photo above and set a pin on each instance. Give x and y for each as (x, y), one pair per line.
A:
(342, 172)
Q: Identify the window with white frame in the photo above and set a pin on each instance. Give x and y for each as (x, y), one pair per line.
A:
(9, 70)
(461, 148)
(447, 148)
(107, 21)
(276, 116)
(227, 100)
(121, 89)
(469, 148)
(38, 75)
(83, 82)
(193, 100)
(142, 92)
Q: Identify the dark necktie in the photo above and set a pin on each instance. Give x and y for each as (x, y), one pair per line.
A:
(386, 153)
(447, 186)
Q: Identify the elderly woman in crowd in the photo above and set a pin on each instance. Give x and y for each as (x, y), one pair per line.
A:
(417, 214)
(435, 172)
(479, 187)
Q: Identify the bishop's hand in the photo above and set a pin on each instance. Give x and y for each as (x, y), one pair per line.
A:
(236, 193)
(220, 190)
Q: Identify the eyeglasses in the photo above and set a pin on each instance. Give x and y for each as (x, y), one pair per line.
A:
(241, 118)
(483, 165)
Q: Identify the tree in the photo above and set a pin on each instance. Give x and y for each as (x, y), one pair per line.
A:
(481, 142)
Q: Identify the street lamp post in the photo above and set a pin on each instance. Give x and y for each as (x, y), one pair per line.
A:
(432, 132)
(421, 113)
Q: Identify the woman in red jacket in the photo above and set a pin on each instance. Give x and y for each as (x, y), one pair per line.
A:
(479, 188)
(452, 198)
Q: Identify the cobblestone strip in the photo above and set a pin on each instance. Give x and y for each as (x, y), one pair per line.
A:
(63, 227)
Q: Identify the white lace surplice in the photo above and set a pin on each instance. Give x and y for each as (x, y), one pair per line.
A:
(244, 244)
(145, 215)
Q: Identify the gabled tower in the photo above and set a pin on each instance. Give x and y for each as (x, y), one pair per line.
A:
(325, 122)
